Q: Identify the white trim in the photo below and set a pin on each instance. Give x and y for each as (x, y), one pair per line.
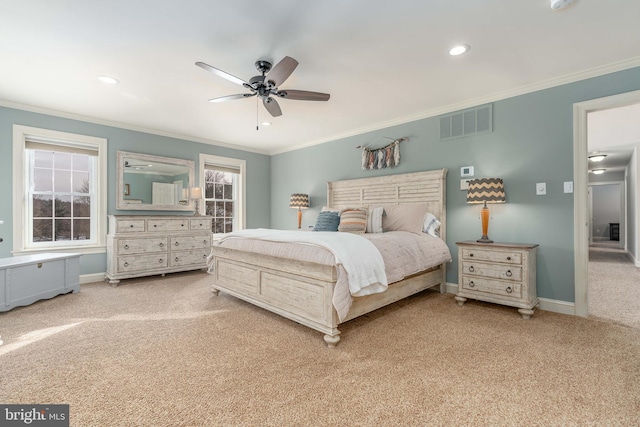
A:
(522, 90)
(580, 202)
(20, 134)
(234, 163)
(92, 278)
(120, 125)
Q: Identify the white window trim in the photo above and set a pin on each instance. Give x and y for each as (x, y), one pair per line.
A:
(20, 135)
(208, 159)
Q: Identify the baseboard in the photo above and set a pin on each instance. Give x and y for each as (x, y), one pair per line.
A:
(633, 259)
(91, 278)
(556, 306)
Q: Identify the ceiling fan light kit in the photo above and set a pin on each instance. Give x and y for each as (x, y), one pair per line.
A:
(265, 86)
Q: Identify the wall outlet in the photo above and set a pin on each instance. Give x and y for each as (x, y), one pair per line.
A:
(541, 188)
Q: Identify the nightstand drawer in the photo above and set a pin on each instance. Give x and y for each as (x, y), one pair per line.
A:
(495, 287)
(492, 256)
(495, 271)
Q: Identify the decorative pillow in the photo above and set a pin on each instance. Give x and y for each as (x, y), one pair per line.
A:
(431, 225)
(404, 218)
(374, 220)
(353, 220)
(327, 221)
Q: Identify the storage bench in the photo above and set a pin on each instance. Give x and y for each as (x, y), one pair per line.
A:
(28, 278)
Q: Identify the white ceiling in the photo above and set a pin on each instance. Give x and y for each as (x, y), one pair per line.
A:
(383, 62)
(614, 132)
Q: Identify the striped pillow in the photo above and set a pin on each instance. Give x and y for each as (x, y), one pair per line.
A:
(374, 220)
(353, 220)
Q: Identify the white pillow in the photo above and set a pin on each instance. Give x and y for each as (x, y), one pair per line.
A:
(374, 220)
(431, 225)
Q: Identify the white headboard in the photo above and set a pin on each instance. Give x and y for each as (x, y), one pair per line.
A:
(408, 188)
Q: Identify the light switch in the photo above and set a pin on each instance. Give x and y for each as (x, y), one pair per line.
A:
(541, 188)
(464, 184)
(568, 187)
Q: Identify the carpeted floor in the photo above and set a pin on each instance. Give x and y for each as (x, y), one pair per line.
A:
(164, 352)
(614, 284)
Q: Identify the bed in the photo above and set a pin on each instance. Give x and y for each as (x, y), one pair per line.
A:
(306, 291)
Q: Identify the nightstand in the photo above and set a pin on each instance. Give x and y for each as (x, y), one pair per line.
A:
(502, 273)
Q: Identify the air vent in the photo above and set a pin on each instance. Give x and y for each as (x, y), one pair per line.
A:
(472, 121)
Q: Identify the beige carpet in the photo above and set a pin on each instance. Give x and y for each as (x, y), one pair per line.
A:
(163, 352)
(614, 284)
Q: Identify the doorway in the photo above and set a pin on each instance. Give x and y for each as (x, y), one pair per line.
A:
(582, 221)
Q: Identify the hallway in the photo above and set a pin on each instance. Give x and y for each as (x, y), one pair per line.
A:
(614, 284)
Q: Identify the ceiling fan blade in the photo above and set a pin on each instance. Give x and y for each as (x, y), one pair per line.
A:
(281, 71)
(303, 95)
(232, 97)
(221, 73)
(272, 107)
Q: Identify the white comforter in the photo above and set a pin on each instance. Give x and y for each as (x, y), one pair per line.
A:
(358, 256)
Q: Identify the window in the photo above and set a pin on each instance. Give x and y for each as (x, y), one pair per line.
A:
(223, 190)
(59, 191)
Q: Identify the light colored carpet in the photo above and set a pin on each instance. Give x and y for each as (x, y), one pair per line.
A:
(164, 352)
(614, 285)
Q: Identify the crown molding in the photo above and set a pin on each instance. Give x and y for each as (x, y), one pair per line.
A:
(119, 125)
(498, 96)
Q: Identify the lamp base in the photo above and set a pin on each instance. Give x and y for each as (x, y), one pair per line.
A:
(484, 239)
(197, 210)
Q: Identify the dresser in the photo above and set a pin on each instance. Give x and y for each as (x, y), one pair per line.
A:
(140, 245)
(502, 273)
(26, 279)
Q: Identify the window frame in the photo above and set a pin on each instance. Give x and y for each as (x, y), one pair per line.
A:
(22, 233)
(208, 160)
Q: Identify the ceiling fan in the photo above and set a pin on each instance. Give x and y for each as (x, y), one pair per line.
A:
(266, 85)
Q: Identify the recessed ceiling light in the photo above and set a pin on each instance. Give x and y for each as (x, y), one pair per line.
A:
(266, 123)
(598, 171)
(597, 157)
(560, 4)
(459, 50)
(108, 80)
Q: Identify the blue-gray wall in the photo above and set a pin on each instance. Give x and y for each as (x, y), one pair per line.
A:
(258, 169)
(532, 141)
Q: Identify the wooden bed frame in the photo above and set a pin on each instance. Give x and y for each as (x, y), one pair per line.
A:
(303, 291)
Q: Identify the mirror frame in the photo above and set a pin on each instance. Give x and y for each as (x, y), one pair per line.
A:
(120, 201)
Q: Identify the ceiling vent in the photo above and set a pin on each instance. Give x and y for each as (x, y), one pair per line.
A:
(472, 121)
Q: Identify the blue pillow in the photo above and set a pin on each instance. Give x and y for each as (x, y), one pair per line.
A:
(327, 221)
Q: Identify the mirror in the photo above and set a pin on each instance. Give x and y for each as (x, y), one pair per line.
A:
(146, 182)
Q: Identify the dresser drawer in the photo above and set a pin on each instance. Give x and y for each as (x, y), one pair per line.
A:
(180, 258)
(130, 226)
(137, 246)
(167, 225)
(200, 224)
(492, 256)
(142, 262)
(496, 271)
(190, 242)
(494, 287)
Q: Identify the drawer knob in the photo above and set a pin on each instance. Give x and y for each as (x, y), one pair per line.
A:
(508, 258)
(471, 269)
(131, 226)
(204, 241)
(126, 264)
(177, 244)
(204, 256)
(160, 260)
(509, 289)
(471, 284)
(177, 259)
(471, 255)
(161, 245)
(155, 225)
(509, 273)
(181, 225)
(126, 246)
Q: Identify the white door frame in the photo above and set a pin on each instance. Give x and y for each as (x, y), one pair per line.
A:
(581, 219)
